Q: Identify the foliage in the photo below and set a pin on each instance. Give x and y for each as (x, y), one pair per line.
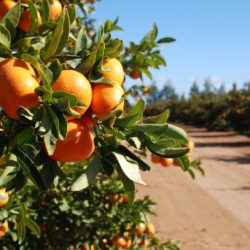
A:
(93, 216)
(215, 110)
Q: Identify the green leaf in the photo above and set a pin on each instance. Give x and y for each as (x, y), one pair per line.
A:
(45, 11)
(110, 26)
(177, 133)
(166, 40)
(56, 68)
(5, 37)
(88, 63)
(60, 129)
(59, 38)
(158, 119)
(23, 137)
(10, 171)
(150, 128)
(133, 116)
(43, 71)
(126, 152)
(151, 36)
(129, 167)
(164, 150)
(11, 18)
(45, 124)
(129, 185)
(89, 175)
(50, 142)
(183, 162)
(72, 12)
(32, 225)
(139, 107)
(81, 42)
(30, 169)
(34, 16)
(21, 232)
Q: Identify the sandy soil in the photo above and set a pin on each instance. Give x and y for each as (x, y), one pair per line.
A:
(212, 212)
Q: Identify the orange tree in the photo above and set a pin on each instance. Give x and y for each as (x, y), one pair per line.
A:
(95, 218)
(62, 100)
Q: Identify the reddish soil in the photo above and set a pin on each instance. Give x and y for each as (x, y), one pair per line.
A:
(211, 212)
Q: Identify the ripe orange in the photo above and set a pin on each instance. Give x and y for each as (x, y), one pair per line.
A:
(4, 197)
(26, 21)
(78, 144)
(150, 229)
(144, 244)
(128, 244)
(16, 62)
(125, 199)
(135, 74)
(87, 119)
(155, 158)
(75, 83)
(4, 228)
(115, 198)
(113, 70)
(166, 162)
(5, 6)
(139, 229)
(119, 241)
(17, 86)
(55, 10)
(106, 99)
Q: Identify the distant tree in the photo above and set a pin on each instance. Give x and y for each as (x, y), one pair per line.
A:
(208, 87)
(154, 93)
(168, 92)
(194, 90)
(222, 89)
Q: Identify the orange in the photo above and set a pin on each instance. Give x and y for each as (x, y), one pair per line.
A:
(76, 84)
(15, 62)
(5, 6)
(135, 75)
(166, 162)
(150, 229)
(78, 144)
(139, 229)
(4, 228)
(106, 99)
(115, 198)
(26, 21)
(144, 244)
(17, 86)
(4, 197)
(128, 244)
(113, 70)
(87, 119)
(55, 10)
(155, 158)
(119, 241)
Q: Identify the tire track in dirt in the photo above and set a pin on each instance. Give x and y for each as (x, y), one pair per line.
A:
(210, 213)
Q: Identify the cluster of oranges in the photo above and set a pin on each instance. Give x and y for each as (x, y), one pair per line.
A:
(25, 22)
(125, 241)
(4, 198)
(100, 99)
(139, 232)
(166, 162)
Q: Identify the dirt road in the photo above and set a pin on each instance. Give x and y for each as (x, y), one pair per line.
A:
(210, 213)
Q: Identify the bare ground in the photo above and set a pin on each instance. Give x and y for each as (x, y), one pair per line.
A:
(212, 212)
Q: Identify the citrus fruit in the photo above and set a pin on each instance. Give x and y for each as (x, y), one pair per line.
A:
(78, 144)
(106, 99)
(76, 84)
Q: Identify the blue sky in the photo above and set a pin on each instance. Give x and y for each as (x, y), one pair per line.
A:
(213, 37)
